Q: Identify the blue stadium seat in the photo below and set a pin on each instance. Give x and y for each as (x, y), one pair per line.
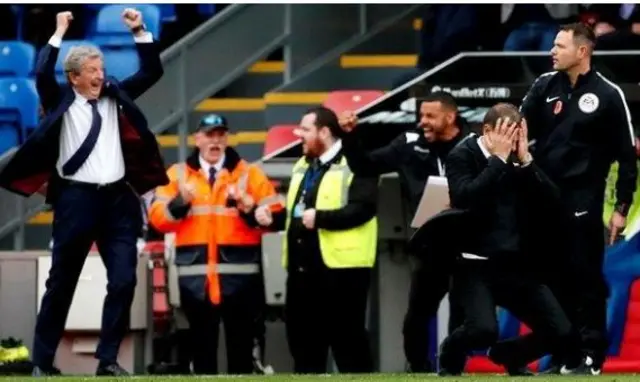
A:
(9, 137)
(19, 104)
(121, 63)
(167, 12)
(17, 59)
(111, 30)
(64, 49)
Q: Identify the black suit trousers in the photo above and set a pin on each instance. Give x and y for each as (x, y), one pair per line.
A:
(83, 214)
(480, 286)
(326, 309)
(430, 282)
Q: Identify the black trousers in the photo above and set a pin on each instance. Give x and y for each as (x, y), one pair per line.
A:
(239, 313)
(430, 282)
(480, 286)
(326, 309)
(574, 273)
(111, 217)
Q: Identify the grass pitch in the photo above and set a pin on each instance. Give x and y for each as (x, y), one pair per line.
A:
(342, 377)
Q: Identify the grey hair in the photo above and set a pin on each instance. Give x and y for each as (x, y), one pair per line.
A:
(77, 55)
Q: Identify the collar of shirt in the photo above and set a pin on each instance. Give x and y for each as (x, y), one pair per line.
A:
(328, 155)
(483, 148)
(205, 166)
(82, 100)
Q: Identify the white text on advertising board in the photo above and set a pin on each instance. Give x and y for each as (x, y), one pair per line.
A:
(467, 92)
(407, 114)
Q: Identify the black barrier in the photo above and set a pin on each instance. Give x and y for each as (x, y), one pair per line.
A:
(480, 80)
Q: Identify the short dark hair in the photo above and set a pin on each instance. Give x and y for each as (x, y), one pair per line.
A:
(582, 32)
(445, 98)
(326, 117)
(502, 110)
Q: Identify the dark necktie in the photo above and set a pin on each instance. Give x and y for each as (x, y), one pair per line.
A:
(212, 176)
(79, 157)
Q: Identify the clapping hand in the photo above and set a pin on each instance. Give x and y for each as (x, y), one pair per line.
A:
(263, 216)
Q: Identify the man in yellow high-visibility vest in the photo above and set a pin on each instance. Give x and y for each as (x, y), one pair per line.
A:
(329, 251)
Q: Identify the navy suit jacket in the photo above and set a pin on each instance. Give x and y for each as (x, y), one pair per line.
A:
(34, 164)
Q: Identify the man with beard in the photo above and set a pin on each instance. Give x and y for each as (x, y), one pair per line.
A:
(209, 204)
(581, 123)
(329, 251)
(416, 155)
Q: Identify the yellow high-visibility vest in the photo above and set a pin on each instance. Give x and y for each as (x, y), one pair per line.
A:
(350, 248)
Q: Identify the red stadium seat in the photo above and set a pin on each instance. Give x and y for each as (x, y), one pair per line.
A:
(628, 360)
(342, 100)
(279, 136)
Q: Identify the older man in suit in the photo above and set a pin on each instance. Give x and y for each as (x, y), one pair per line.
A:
(96, 154)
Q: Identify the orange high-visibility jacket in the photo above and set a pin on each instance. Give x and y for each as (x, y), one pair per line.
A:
(213, 237)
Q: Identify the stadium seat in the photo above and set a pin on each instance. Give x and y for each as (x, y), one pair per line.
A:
(111, 30)
(9, 137)
(64, 50)
(121, 63)
(19, 104)
(342, 100)
(278, 137)
(17, 59)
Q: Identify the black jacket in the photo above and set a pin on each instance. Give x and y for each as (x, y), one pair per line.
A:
(505, 202)
(577, 134)
(304, 244)
(409, 154)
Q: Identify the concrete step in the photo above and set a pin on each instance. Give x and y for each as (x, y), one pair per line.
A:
(262, 77)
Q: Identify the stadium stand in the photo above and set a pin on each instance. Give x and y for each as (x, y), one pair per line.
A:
(17, 59)
(342, 100)
(18, 110)
(279, 136)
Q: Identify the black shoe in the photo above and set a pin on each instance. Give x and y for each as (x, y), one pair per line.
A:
(113, 369)
(450, 363)
(586, 367)
(45, 371)
(513, 370)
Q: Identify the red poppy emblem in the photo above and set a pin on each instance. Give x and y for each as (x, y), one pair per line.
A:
(557, 108)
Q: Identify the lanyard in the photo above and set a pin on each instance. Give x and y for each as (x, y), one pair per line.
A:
(441, 171)
(310, 178)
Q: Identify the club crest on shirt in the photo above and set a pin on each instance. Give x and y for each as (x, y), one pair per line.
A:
(588, 103)
(557, 108)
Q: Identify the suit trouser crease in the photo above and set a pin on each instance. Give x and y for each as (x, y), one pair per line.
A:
(327, 310)
(110, 217)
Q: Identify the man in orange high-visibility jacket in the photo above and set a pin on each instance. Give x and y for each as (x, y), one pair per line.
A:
(209, 204)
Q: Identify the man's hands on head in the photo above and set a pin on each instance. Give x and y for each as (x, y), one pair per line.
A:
(500, 139)
(63, 20)
(348, 121)
(523, 144)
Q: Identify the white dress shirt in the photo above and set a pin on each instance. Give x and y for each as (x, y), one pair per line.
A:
(205, 166)
(328, 155)
(105, 164)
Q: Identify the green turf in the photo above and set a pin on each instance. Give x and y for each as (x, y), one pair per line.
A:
(338, 378)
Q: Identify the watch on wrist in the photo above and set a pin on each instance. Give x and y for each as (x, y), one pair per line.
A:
(139, 28)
